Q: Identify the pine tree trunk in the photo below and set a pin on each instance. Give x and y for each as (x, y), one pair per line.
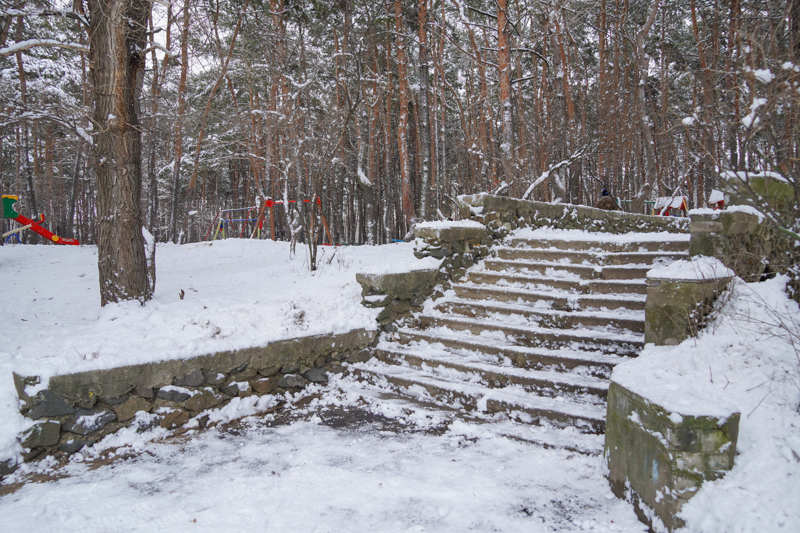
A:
(178, 139)
(117, 33)
(504, 73)
(402, 119)
(424, 110)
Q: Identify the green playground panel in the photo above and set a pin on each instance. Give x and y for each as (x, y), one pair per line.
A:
(8, 206)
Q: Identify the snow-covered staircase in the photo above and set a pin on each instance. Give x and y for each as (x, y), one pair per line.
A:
(528, 338)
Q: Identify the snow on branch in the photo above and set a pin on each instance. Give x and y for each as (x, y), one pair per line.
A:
(22, 46)
(503, 187)
(46, 13)
(68, 125)
(561, 164)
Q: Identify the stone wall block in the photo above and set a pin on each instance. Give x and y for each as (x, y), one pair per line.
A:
(741, 241)
(247, 373)
(316, 375)
(21, 383)
(721, 462)
(213, 377)
(290, 367)
(237, 388)
(397, 293)
(171, 418)
(194, 378)
(145, 391)
(292, 381)
(658, 460)
(41, 434)
(204, 399)
(502, 214)
(677, 309)
(128, 409)
(174, 394)
(85, 421)
(47, 403)
(71, 443)
(690, 461)
(265, 385)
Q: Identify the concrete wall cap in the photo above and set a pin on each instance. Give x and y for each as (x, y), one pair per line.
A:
(697, 270)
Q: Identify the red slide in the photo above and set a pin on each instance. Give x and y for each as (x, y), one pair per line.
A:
(8, 201)
(44, 232)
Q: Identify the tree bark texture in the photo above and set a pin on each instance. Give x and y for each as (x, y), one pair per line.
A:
(504, 73)
(402, 118)
(117, 37)
(178, 137)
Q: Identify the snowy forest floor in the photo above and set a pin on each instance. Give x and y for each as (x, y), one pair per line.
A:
(328, 464)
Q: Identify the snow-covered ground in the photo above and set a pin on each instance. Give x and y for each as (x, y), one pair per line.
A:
(237, 293)
(315, 475)
(405, 468)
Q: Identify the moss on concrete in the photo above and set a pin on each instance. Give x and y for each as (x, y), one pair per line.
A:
(678, 309)
(658, 460)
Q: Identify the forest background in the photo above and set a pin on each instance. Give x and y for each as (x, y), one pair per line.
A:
(386, 111)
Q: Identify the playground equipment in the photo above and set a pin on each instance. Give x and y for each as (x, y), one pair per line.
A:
(34, 225)
(225, 220)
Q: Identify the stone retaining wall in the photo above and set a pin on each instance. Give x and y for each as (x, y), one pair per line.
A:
(396, 293)
(75, 410)
(742, 241)
(458, 244)
(681, 297)
(502, 214)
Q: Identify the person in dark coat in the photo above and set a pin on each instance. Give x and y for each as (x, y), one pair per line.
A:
(607, 201)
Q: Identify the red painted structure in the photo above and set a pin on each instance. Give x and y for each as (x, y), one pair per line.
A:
(33, 225)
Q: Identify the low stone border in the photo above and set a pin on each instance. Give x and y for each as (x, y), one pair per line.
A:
(75, 410)
(658, 459)
(502, 214)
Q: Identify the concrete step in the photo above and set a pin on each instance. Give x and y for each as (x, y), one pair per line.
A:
(541, 382)
(620, 344)
(572, 283)
(552, 299)
(468, 397)
(592, 362)
(546, 435)
(633, 322)
(588, 257)
(669, 244)
(384, 403)
(568, 270)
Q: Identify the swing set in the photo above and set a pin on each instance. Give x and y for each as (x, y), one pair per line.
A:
(225, 221)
